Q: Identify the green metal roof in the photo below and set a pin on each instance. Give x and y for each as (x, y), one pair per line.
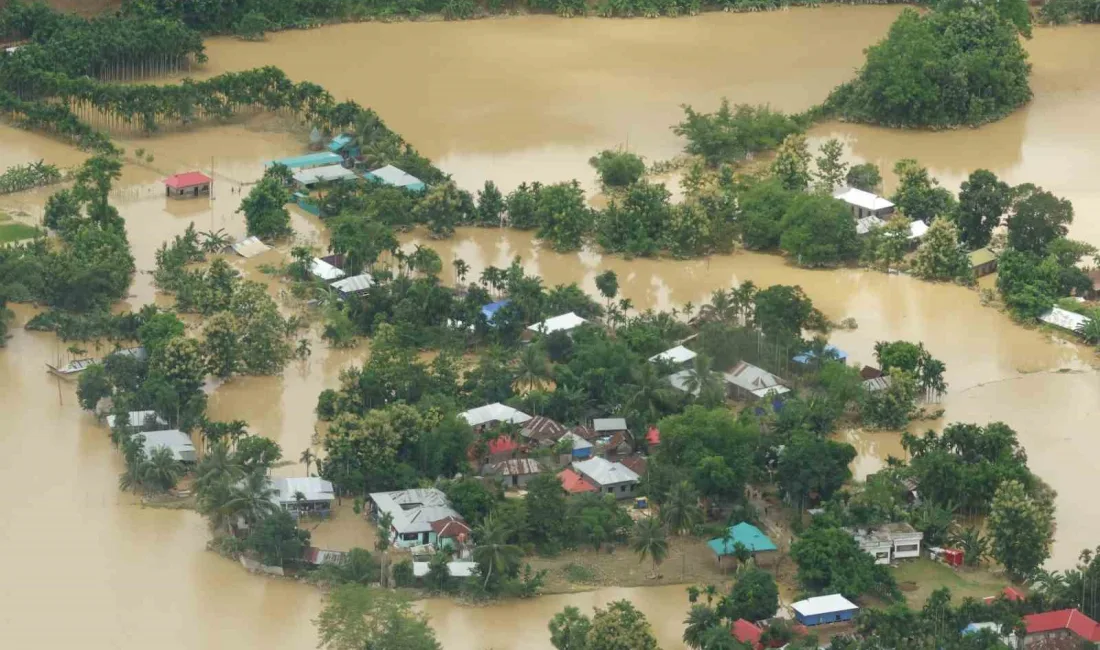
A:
(745, 534)
(982, 256)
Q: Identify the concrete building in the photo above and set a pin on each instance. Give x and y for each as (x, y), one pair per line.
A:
(413, 512)
(188, 185)
(177, 441)
(608, 477)
(316, 493)
(890, 542)
(865, 204)
(824, 609)
(563, 323)
(748, 382)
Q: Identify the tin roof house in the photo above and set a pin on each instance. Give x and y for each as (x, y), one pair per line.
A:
(748, 382)
(395, 177)
(303, 496)
(611, 478)
(824, 609)
(413, 513)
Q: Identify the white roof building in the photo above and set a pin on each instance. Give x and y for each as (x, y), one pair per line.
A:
(1065, 319)
(356, 284)
(603, 472)
(414, 511)
(138, 419)
(678, 354)
(755, 380)
(313, 488)
(917, 228)
(563, 323)
(680, 380)
(823, 605)
(578, 442)
(397, 177)
(864, 225)
(178, 442)
(325, 174)
(325, 271)
(495, 412)
(603, 425)
(250, 247)
(861, 199)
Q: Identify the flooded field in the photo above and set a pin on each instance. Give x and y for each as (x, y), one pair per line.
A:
(514, 100)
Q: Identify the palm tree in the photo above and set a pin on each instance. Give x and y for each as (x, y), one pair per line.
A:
(744, 297)
(250, 499)
(532, 369)
(217, 465)
(721, 308)
(461, 270)
(306, 458)
(214, 240)
(974, 546)
(493, 552)
(649, 539)
(161, 470)
(681, 513)
(700, 619)
(704, 383)
(648, 394)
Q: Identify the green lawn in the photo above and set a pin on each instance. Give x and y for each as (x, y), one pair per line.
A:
(928, 576)
(10, 232)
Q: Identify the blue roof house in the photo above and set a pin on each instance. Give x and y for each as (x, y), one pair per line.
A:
(744, 534)
(490, 310)
(831, 351)
(391, 175)
(824, 609)
(343, 145)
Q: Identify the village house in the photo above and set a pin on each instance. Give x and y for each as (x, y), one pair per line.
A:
(873, 379)
(574, 483)
(413, 512)
(139, 420)
(325, 271)
(747, 633)
(584, 431)
(249, 247)
(1064, 629)
(395, 177)
(743, 534)
(563, 323)
(889, 542)
(581, 448)
(355, 285)
(821, 610)
(516, 472)
(865, 204)
(609, 426)
(866, 224)
(452, 533)
(609, 477)
(983, 261)
(307, 161)
(677, 356)
(543, 430)
(303, 496)
(1009, 639)
(748, 382)
(178, 442)
(344, 146)
(683, 381)
(187, 185)
(830, 352)
(308, 179)
(491, 415)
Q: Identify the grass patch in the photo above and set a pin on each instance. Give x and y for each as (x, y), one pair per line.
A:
(921, 577)
(10, 232)
(579, 573)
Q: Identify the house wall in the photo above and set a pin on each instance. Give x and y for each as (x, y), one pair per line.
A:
(422, 538)
(907, 546)
(617, 489)
(827, 617)
(1055, 640)
(880, 550)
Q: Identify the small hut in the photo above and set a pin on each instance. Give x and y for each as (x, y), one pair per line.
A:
(188, 185)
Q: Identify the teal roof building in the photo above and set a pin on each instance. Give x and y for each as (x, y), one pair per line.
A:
(308, 161)
(391, 175)
(745, 534)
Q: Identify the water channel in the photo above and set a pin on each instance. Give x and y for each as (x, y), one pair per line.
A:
(514, 100)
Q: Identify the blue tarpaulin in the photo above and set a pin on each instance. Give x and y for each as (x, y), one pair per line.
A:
(492, 308)
(745, 534)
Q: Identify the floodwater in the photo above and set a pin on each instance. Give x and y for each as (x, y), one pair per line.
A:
(522, 99)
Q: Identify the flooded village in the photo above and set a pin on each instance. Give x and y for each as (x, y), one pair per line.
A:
(516, 100)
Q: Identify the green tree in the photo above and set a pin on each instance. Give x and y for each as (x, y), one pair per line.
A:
(812, 465)
(607, 283)
(1037, 218)
(158, 329)
(1022, 528)
(890, 407)
(680, 512)
(490, 205)
(704, 383)
(831, 168)
(732, 134)
(493, 553)
(918, 195)
(886, 245)
(754, 597)
(562, 215)
(649, 540)
(819, 231)
(830, 561)
(93, 386)
(941, 256)
(252, 26)
(569, 630)
(441, 209)
(792, 163)
(762, 207)
(783, 311)
(1028, 284)
(864, 177)
(620, 627)
(264, 209)
(221, 341)
(276, 539)
(357, 617)
(700, 620)
(250, 499)
(617, 168)
(160, 471)
(546, 511)
(983, 201)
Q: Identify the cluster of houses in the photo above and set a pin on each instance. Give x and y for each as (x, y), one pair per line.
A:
(873, 211)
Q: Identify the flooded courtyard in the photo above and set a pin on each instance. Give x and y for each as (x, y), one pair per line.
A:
(515, 100)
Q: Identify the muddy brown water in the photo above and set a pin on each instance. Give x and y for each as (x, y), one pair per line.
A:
(522, 99)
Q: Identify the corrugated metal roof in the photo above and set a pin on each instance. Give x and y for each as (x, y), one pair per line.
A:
(824, 605)
(917, 229)
(981, 256)
(578, 442)
(176, 441)
(518, 467)
(603, 472)
(495, 412)
(187, 179)
(250, 247)
(609, 424)
(864, 225)
(414, 511)
(138, 419)
(861, 199)
(755, 380)
(325, 174)
(314, 489)
(307, 160)
(875, 384)
(562, 323)
(391, 175)
(354, 284)
(324, 270)
(678, 354)
(1065, 319)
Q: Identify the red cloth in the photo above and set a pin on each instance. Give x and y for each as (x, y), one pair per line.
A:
(653, 436)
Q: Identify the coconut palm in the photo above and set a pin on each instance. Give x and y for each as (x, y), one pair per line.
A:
(493, 552)
(161, 470)
(214, 241)
(704, 383)
(721, 308)
(681, 513)
(649, 540)
(700, 619)
(306, 458)
(648, 394)
(217, 466)
(461, 270)
(532, 369)
(250, 499)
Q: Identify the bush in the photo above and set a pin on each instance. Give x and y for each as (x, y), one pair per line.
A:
(733, 134)
(618, 168)
(403, 573)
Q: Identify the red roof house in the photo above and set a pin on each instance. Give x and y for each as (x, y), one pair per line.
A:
(574, 483)
(452, 527)
(746, 632)
(1062, 623)
(187, 184)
